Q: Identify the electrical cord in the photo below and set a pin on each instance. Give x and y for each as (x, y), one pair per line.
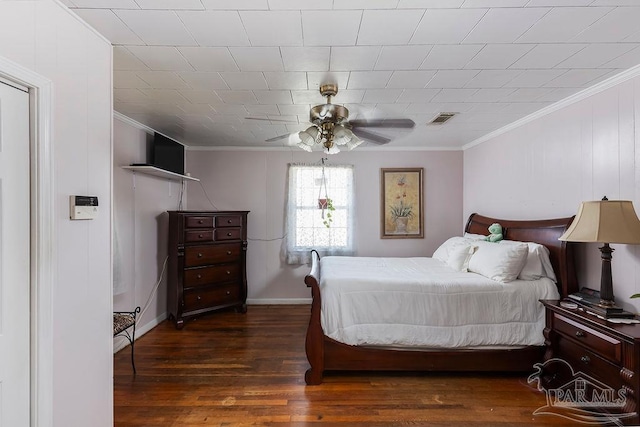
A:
(207, 196)
(155, 289)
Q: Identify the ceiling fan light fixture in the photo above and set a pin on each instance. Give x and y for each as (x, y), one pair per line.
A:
(331, 148)
(342, 135)
(308, 136)
(353, 143)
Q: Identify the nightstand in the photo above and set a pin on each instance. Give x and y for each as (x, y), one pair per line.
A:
(606, 353)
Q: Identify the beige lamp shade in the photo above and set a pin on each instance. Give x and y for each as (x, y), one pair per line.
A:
(605, 221)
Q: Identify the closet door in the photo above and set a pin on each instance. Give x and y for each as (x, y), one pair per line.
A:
(14, 257)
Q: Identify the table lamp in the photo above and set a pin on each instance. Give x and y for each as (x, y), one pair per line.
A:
(605, 221)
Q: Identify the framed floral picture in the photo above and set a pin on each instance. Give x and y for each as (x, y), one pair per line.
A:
(402, 210)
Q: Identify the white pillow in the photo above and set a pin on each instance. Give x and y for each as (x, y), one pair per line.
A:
(501, 263)
(442, 253)
(538, 264)
(459, 256)
(474, 236)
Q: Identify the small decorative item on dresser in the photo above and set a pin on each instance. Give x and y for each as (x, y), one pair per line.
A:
(207, 263)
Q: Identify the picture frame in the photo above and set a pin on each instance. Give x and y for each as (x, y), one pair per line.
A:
(401, 203)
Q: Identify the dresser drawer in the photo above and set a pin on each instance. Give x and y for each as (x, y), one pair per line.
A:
(583, 360)
(199, 222)
(208, 275)
(198, 236)
(230, 233)
(211, 254)
(228, 221)
(200, 298)
(607, 347)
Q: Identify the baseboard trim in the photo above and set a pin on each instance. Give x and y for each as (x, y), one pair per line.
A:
(278, 301)
(122, 342)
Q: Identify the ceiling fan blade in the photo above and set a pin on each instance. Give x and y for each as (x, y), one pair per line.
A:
(383, 123)
(266, 119)
(370, 136)
(278, 138)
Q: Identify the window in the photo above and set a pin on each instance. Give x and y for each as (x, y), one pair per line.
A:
(306, 227)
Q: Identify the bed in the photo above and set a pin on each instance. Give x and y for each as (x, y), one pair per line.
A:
(325, 353)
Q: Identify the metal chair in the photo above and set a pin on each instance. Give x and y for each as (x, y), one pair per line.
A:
(122, 322)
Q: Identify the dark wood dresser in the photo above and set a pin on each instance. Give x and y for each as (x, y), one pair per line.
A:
(604, 351)
(207, 263)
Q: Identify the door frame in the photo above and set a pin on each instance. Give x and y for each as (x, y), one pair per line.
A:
(42, 238)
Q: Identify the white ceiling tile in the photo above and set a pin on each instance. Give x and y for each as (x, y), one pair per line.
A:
(453, 95)
(330, 28)
(244, 80)
(558, 94)
(365, 4)
(273, 28)
(615, 26)
(526, 94)
(526, 107)
(288, 80)
(494, 3)
(402, 57)
(237, 97)
(375, 96)
(595, 55)
(236, 4)
(273, 96)
(128, 80)
(125, 60)
(576, 78)
(628, 60)
(162, 79)
(167, 96)
(557, 3)
(263, 109)
(504, 25)
(498, 56)
(157, 27)
(226, 109)
(450, 56)
(483, 106)
(306, 97)
(562, 24)
(446, 26)
(257, 58)
(294, 110)
(161, 58)
(452, 78)
(107, 4)
(534, 78)
(354, 58)
(204, 80)
(429, 4)
(391, 27)
(170, 4)
(209, 58)
(547, 55)
(315, 79)
(299, 5)
(410, 79)
(201, 96)
(492, 78)
(196, 108)
(346, 96)
(305, 58)
(128, 95)
(489, 95)
(368, 79)
(109, 25)
(423, 108)
(219, 28)
(417, 95)
(615, 3)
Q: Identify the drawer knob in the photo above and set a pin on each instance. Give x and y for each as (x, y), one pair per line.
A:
(228, 221)
(580, 334)
(228, 272)
(200, 236)
(199, 255)
(228, 252)
(198, 297)
(228, 292)
(199, 276)
(229, 234)
(585, 359)
(199, 221)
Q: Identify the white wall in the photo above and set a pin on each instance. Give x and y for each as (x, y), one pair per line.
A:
(141, 226)
(255, 181)
(545, 168)
(45, 38)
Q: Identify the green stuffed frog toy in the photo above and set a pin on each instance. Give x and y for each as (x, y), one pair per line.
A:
(496, 233)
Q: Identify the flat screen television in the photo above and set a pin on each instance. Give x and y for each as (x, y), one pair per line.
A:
(167, 154)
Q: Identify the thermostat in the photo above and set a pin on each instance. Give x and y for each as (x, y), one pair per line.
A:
(83, 207)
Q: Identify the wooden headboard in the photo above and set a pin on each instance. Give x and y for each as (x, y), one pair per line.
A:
(546, 232)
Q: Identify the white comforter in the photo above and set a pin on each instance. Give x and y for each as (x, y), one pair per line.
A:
(423, 302)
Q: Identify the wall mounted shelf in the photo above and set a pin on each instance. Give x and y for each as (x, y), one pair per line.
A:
(152, 170)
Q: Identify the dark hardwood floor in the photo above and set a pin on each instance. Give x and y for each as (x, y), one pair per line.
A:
(248, 369)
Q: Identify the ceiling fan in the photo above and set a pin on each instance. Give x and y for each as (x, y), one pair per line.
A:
(331, 128)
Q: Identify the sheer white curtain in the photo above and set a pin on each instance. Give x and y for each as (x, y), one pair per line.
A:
(305, 220)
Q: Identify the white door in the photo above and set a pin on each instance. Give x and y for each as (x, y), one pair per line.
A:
(14, 257)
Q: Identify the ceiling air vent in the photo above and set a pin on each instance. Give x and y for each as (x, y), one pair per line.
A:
(441, 118)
